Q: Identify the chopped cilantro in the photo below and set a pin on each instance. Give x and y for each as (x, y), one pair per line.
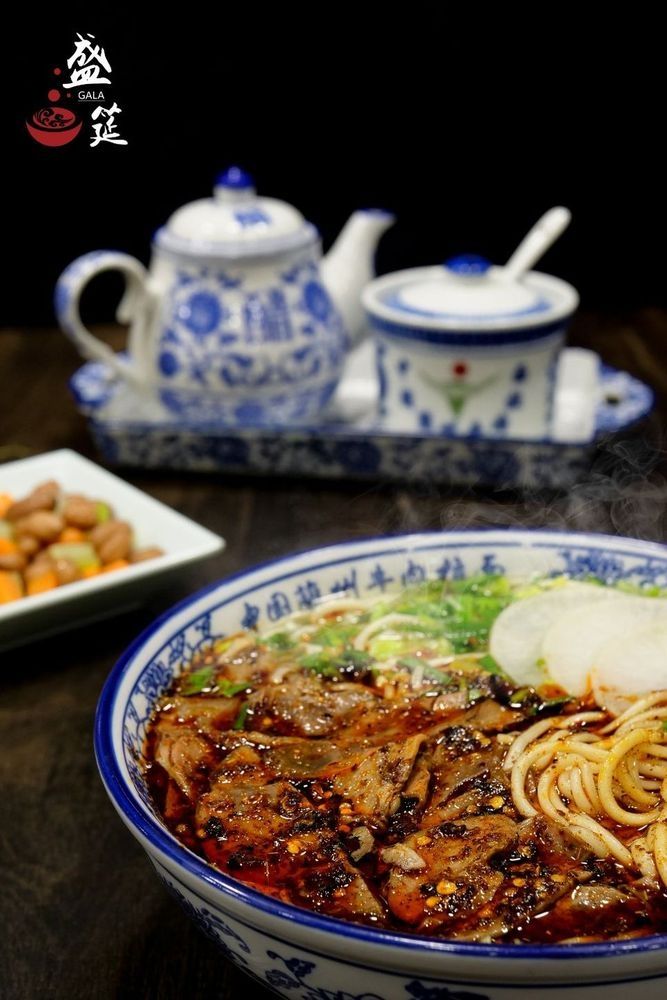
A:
(204, 679)
(239, 721)
(328, 665)
(228, 688)
(320, 664)
(355, 658)
(334, 635)
(280, 641)
(198, 680)
(432, 674)
(412, 662)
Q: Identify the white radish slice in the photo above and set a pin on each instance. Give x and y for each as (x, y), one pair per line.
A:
(571, 644)
(634, 663)
(516, 637)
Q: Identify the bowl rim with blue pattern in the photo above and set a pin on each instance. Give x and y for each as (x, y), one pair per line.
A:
(581, 554)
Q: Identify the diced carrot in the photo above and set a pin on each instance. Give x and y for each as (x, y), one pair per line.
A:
(45, 581)
(90, 571)
(70, 534)
(115, 564)
(11, 587)
(8, 547)
(6, 500)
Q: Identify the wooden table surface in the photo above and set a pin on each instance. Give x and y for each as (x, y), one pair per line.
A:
(81, 912)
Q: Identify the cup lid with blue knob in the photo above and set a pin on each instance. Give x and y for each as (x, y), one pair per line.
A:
(235, 222)
(468, 292)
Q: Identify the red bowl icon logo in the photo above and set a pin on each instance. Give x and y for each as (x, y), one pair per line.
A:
(54, 126)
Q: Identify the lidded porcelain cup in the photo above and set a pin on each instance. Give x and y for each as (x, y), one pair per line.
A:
(466, 349)
(238, 320)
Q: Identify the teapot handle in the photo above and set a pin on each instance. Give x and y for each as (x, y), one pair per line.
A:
(136, 306)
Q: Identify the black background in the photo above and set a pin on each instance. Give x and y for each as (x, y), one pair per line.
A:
(468, 127)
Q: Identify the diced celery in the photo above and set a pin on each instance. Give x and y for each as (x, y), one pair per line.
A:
(103, 511)
(82, 554)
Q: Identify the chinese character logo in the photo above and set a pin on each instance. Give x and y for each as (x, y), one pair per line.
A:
(87, 63)
(89, 69)
(105, 129)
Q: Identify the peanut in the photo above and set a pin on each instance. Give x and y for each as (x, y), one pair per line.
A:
(42, 498)
(42, 524)
(66, 571)
(12, 561)
(141, 555)
(27, 544)
(116, 544)
(41, 564)
(101, 532)
(49, 515)
(80, 512)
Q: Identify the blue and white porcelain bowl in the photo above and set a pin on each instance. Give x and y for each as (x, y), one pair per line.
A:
(464, 349)
(301, 954)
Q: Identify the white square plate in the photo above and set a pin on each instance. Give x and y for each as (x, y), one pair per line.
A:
(153, 523)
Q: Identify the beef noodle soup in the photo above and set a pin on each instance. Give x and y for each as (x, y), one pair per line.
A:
(434, 761)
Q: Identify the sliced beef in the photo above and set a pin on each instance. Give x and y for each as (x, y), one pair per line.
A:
(468, 777)
(299, 759)
(541, 867)
(185, 755)
(415, 791)
(456, 878)
(204, 713)
(490, 716)
(291, 757)
(245, 765)
(271, 835)
(372, 781)
(308, 706)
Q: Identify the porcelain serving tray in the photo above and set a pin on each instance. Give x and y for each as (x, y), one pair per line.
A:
(350, 443)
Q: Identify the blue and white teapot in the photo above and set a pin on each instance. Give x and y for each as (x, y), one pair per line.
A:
(237, 319)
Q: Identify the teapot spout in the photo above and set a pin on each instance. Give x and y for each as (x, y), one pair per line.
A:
(350, 265)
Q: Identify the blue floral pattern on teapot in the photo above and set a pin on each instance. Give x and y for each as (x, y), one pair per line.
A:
(237, 320)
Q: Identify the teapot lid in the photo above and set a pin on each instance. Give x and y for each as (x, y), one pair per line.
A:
(235, 222)
(467, 291)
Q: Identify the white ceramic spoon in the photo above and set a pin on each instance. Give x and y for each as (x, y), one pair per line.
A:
(535, 243)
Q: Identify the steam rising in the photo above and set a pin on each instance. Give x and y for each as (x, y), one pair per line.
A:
(625, 493)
